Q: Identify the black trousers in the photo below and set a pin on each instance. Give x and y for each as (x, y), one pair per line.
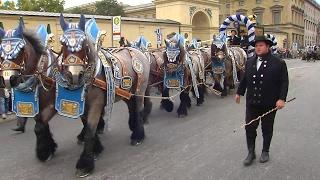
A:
(266, 126)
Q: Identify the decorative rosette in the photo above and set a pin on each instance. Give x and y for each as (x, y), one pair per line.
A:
(73, 39)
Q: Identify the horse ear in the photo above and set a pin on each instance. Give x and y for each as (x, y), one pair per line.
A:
(82, 23)
(64, 25)
(2, 33)
(20, 28)
(167, 42)
(129, 43)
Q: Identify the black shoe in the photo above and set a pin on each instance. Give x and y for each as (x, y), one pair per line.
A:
(19, 129)
(264, 157)
(249, 159)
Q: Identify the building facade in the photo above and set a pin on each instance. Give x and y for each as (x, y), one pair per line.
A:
(131, 28)
(311, 23)
(283, 18)
(198, 18)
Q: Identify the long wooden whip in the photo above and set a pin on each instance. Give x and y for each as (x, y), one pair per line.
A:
(263, 115)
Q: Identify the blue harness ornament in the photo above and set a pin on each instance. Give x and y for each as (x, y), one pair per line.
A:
(174, 79)
(70, 103)
(25, 103)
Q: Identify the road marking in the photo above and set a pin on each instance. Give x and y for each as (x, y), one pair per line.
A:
(300, 67)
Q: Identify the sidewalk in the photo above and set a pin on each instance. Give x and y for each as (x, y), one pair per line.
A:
(9, 118)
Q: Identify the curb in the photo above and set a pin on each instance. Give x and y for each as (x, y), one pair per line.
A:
(9, 118)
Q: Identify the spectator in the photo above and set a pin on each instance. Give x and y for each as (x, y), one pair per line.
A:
(234, 40)
(2, 102)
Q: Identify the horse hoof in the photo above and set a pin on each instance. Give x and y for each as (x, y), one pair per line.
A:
(100, 131)
(79, 142)
(181, 116)
(50, 157)
(136, 142)
(81, 173)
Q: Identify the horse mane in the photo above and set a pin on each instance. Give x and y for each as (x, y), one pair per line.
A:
(171, 35)
(32, 38)
(92, 53)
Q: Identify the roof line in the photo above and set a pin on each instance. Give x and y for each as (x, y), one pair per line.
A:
(49, 14)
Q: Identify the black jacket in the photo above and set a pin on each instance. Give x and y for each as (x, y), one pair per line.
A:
(235, 41)
(267, 85)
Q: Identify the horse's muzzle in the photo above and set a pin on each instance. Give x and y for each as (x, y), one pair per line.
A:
(75, 74)
(9, 77)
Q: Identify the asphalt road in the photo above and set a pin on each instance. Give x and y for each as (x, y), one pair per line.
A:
(201, 146)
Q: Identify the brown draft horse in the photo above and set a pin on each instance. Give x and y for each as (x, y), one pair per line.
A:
(24, 66)
(131, 72)
(227, 65)
(179, 75)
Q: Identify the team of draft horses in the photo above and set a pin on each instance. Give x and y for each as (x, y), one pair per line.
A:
(84, 79)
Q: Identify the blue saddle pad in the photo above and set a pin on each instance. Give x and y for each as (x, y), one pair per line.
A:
(173, 80)
(70, 103)
(42, 34)
(25, 104)
(92, 30)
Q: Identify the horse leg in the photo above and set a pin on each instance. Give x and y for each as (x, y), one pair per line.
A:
(100, 128)
(92, 145)
(135, 106)
(184, 101)
(200, 100)
(45, 146)
(147, 107)
(101, 125)
(80, 137)
(166, 103)
(225, 89)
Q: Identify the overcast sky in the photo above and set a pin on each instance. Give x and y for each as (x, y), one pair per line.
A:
(130, 2)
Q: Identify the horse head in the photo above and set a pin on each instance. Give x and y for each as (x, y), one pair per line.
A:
(77, 50)
(20, 53)
(174, 49)
(218, 49)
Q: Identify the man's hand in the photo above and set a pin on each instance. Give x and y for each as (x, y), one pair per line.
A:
(237, 99)
(280, 104)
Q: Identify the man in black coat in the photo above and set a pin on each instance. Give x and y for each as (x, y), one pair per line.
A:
(266, 84)
(234, 40)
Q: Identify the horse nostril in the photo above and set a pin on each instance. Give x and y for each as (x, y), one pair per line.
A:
(15, 80)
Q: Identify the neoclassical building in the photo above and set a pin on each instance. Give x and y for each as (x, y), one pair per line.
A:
(283, 18)
(311, 23)
(197, 18)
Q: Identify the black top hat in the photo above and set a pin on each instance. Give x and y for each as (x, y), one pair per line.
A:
(262, 38)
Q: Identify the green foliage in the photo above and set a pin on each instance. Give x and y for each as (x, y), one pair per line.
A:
(35, 5)
(78, 10)
(8, 5)
(109, 8)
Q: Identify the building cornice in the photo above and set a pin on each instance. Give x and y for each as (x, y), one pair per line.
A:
(203, 2)
(56, 15)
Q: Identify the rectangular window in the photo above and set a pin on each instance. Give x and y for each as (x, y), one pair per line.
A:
(259, 18)
(258, 1)
(241, 2)
(276, 17)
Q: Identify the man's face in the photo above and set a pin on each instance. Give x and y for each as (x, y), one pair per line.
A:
(233, 33)
(261, 48)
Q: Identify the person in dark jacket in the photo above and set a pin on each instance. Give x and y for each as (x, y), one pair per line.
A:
(244, 41)
(234, 40)
(266, 86)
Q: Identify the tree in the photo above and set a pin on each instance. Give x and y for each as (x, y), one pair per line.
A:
(109, 8)
(8, 5)
(26, 5)
(51, 5)
(78, 10)
(41, 5)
